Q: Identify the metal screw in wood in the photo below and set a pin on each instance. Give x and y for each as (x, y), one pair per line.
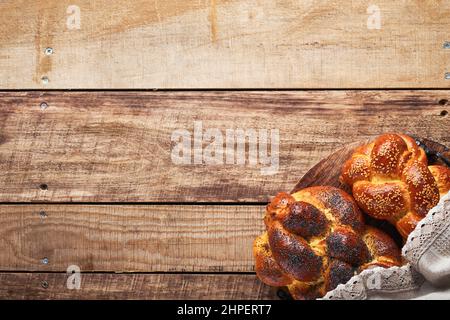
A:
(44, 284)
(44, 105)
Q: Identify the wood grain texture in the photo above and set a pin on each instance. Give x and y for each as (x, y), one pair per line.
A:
(224, 44)
(116, 146)
(127, 238)
(100, 286)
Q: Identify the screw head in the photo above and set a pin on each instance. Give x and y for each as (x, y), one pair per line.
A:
(48, 51)
(42, 214)
(44, 260)
(44, 284)
(45, 80)
(446, 45)
(447, 76)
(44, 105)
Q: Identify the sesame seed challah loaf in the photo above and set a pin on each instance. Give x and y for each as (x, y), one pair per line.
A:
(391, 180)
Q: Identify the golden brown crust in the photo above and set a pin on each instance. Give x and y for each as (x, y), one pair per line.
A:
(337, 272)
(442, 175)
(423, 189)
(416, 152)
(338, 204)
(293, 254)
(316, 239)
(407, 223)
(345, 244)
(265, 265)
(385, 155)
(383, 201)
(382, 247)
(391, 180)
(305, 220)
(356, 169)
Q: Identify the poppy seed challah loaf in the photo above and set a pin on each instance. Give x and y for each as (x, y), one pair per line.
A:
(316, 239)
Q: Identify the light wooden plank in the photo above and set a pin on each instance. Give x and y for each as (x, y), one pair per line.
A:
(143, 238)
(224, 44)
(134, 286)
(116, 146)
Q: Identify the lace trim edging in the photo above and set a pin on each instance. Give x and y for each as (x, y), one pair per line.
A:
(394, 279)
(427, 231)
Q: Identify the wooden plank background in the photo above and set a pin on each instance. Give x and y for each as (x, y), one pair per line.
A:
(129, 238)
(106, 286)
(116, 146)
(223, 44)
(89, 179)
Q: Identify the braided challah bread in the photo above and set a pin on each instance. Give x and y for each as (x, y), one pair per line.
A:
(316, 239)
(391, 180)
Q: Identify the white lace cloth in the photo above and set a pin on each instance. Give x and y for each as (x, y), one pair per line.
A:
(426, 274)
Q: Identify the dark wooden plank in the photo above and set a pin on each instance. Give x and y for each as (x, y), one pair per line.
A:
(134, 286)
(144, 238)
(116, 146)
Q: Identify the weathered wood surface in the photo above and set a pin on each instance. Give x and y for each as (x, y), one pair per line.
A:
(223, 44)
(116, 146)
(134, 286)
(143, 238)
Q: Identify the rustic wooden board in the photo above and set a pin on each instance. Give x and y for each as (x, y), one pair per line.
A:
(116, 146)
(113, 146)
(134, 286)
(223, 44)
(143, 238)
